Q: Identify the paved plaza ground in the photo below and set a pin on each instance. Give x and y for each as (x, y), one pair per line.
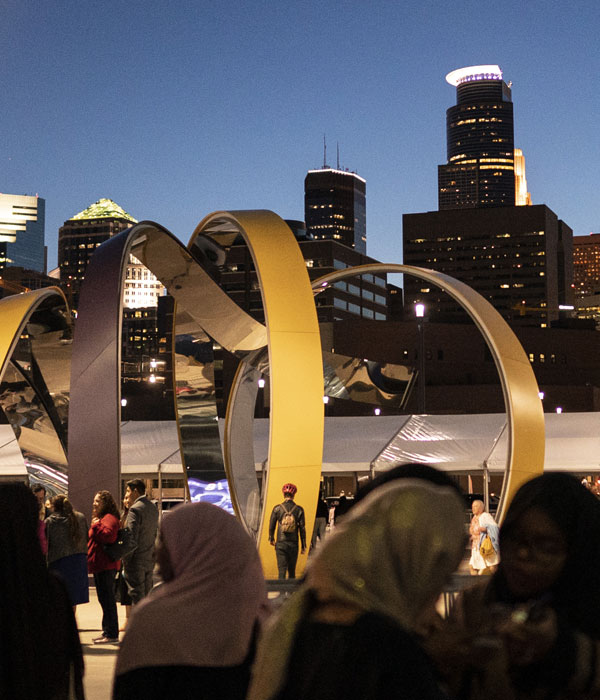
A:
(99, 659)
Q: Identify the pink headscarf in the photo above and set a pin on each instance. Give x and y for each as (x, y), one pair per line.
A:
(206, 615)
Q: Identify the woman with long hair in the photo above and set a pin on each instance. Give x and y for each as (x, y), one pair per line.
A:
(104, 530)
(67, 533)
(40, 653)
(350, 631)
(541, 607)
(193, 636)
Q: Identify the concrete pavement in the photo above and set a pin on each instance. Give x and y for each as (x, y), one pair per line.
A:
(99, 659)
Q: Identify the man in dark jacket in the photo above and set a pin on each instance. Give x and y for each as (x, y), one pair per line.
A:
(142, 521)
(289, 517)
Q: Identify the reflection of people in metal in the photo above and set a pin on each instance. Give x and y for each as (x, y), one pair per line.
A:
(483, 524)
(288, 517)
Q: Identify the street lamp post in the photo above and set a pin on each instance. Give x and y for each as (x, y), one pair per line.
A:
(420, 314)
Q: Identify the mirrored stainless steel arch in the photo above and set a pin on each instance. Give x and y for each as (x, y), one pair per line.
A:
(35, 347)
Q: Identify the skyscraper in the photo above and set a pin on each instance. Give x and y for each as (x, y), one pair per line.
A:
(335, 207)
(480, 142)
(79, 237)
(517, 257)
(22, 221)
(586, 265)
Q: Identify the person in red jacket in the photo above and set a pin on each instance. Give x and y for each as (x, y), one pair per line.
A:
(104, 530)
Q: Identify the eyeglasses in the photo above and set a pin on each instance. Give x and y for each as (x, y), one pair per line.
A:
(543, 548)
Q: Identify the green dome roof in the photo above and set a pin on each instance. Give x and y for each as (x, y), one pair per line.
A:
(104, 209)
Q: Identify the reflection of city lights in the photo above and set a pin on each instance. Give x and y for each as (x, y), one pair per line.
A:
(153, 363)
(261, 383)
(152, 379)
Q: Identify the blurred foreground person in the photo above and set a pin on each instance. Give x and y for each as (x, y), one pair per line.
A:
(539, 614)
(194, 636)
(349, 632)
(40, 653)
(104, 530)
(67, 533)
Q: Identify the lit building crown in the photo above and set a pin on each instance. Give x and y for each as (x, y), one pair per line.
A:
(470, 73)
(104, 209)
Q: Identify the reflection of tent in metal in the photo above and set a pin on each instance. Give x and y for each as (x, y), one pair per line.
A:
(452, 443)
(12, 465)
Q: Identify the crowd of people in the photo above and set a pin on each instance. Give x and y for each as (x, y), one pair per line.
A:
(363, 622)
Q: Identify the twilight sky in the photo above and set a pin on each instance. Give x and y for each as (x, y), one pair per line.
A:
(177, 110)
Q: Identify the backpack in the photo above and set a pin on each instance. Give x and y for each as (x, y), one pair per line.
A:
(123, 545)
(288, 521)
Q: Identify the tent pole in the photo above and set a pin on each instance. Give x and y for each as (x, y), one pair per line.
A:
(486, 487)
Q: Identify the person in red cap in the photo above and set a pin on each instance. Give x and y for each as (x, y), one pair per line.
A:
(289, 517)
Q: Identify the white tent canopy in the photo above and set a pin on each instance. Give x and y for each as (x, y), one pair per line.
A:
(12, 465)
(455, 443)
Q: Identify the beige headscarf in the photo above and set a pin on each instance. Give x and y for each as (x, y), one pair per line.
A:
(391, 555)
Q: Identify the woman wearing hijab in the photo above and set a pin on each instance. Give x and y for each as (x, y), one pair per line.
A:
(40, 653)
(193, 636)
(350, 631)
(541, 607)
(67, 533)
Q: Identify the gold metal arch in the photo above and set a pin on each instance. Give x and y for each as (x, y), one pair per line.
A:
(289, 345)
(293, 342)
(526, 432)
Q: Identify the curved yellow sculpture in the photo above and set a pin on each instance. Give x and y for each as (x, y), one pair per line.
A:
(294, 342)
(526, 432)
(288, 347)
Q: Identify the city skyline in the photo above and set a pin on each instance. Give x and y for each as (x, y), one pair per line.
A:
(175, 112)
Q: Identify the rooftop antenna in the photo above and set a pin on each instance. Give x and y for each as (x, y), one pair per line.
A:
(338, 155)
(324, 152)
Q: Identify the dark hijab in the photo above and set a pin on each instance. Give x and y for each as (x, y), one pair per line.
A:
(576, 513)
(39, 643)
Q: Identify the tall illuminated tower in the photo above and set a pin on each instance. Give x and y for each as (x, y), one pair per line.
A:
(480, 142)
(335, 207)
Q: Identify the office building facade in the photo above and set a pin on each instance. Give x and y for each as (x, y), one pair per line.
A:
(79, 237)
(22, 224)
(518, 258)
(480, 142)
(360, 297)
(586, 265)
(335, 207)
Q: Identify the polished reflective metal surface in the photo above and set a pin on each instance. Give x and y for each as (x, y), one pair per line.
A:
(34, 384)
(36, 395)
